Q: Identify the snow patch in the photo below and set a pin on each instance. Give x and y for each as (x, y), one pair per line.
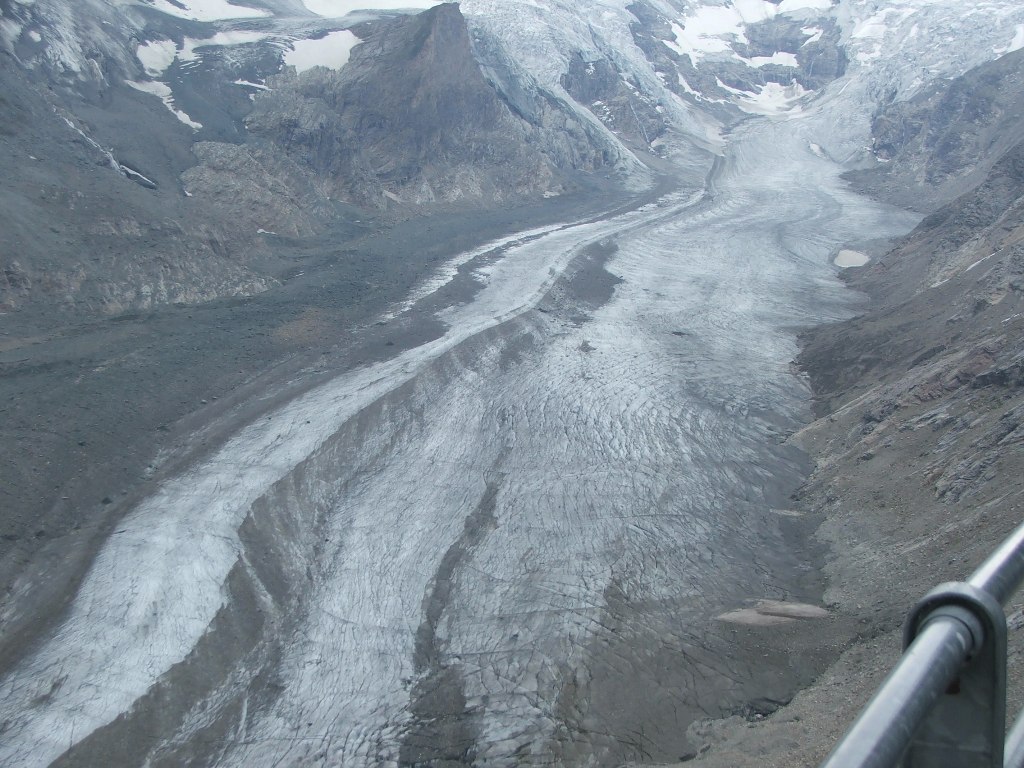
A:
(163, 92)
(156, 56)
(331, 51)
(769, 99)
(779, 57)
(338, 8)
(815, 34)
(687, 88)
(847, 258)
(207, 10)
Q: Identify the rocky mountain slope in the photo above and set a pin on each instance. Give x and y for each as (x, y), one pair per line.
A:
(212, 128)
(942, 142)
(411, 119)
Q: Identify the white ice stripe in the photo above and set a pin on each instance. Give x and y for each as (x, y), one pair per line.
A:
(163, 92)
(111, 160)
(450, 269)
(134, 175)
(247, 84)
(338, 8)
(207, 10)
(331, 51)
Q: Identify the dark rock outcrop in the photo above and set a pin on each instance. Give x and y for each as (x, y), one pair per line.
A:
(411, 119)
(600, 87)
(942, 142)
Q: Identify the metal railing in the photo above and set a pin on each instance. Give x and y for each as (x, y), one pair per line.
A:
(945, 702)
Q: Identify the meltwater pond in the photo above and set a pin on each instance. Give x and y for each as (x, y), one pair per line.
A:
(505, 547)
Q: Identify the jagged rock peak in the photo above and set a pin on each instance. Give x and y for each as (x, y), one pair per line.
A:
(424, 75)
(412, 119)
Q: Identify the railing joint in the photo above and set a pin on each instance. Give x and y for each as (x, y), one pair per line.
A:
(944, 704)
(967, 725)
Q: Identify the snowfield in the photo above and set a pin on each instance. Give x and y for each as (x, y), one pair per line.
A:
(331, 51)
(207, 10)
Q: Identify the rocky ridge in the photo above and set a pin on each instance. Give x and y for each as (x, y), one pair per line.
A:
(942, 142)
(412, 120)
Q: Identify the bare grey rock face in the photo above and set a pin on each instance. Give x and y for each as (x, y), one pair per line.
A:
(412, 120)
(615, 101)
(257, 190)
(942, 142)
(81, 235)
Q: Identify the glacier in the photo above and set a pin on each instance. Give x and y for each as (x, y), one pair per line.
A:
(527, 517)
(559, 453)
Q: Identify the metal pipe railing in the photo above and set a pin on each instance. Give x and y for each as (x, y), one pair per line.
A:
(944, 703)
(1001, 574)
(880, 736)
